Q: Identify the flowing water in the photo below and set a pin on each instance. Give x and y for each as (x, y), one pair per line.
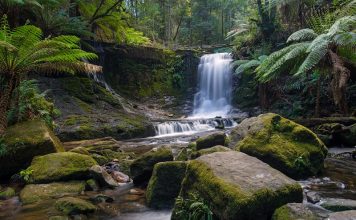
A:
(212, 100)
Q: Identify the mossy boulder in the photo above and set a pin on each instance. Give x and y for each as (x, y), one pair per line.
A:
(60, 167)
(80, 150)
(211, 140)
(237, 186)
(22, 142)
(218, 148)
(292, 211)
(73, 206)
(37, 192)
(165, 184)
(141, 168)
(7, 193)
(282, 143)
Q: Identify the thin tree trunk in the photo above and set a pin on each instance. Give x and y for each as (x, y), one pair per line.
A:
(317, 99)
(5, 101)
(339, 82)
(262, 93)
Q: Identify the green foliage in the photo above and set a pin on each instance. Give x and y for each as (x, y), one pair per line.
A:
(193, 208)
(3, 149)
(304, 56)
(26, 174)
(245, 65)
(32, 103)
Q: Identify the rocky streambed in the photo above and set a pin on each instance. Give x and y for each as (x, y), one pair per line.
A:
(247, 172)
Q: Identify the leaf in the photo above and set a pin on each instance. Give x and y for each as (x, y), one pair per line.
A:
(302, 35)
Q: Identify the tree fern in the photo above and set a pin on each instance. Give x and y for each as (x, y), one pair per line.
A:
(302, 35)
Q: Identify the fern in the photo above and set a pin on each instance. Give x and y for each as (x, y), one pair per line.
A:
(302, 35)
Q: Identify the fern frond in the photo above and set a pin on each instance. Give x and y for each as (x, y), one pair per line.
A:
(302, 35)
(343, 24)
(247, 66)
(345, 39)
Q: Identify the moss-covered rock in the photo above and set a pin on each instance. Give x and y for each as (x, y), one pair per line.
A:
(141, 168)
(59, 167)
(37, 192)
(283, 144)
(24, 141)
(237, 186)
(292, 211)
(211, 140)
(80, 150)
(7, 193)
(217, 148)
(165, 183)
(72, 206)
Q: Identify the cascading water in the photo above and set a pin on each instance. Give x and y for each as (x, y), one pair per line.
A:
(213, 99)
(214, 95)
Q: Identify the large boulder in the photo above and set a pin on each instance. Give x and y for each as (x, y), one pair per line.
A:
(22, 142)
(38, 192)
(334, 204)
(345, 215)
(211, 140)
(214, 149)
(300, 211)
(141, 168)
(60, 167)
(237, 186)
(165, 183)
(72, 206)
(104, 179)
(282, 143)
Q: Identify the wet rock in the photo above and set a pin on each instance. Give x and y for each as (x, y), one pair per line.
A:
(37, 192)
(313, 197)
(136, 191)
(23, 142)
(298, 211)
(80, 150)
(112, 166)
(141, 168)
(120, 177)
(92, 185)
(336, 205)
(7, 193)
(165, 184)
(72, 206)
(211, 140)
(218, 148)
(345, 215)
(341, 169)
(233, 179)
(60, 166)
(283, 144)
(103, 178)
(101, 198)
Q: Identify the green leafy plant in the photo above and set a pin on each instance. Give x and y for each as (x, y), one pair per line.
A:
(26, 174)
(193, 208)
(23, 50)
(301, 162)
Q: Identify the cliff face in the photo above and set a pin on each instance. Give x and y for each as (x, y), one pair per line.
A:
(148, 82)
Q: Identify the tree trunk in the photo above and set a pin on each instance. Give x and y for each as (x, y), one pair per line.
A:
(262, 93)
(339, 82)
(317, 99)
(5, 101)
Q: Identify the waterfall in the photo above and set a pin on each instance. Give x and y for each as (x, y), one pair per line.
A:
(214, 95)
(189, 127)
(213, 99)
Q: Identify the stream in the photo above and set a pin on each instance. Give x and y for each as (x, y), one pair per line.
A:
(212, 111)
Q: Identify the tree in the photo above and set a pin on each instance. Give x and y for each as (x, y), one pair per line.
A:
(308, 50)
(23, 50)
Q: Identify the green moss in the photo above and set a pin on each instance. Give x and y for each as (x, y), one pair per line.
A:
(229, 201)
(72, 206)
(287, 212)
(7, 193)
(91, 184)
(76, 119)
(80, 150)
(84, 106)
(24, 141)
(165, 184)
(141, 168)
(38, 192)
(60, 166)
(209, 151)
(286, 146)
(211, 140)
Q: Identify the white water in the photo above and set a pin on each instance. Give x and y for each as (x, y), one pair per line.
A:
(214, 95)
(212, 99)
